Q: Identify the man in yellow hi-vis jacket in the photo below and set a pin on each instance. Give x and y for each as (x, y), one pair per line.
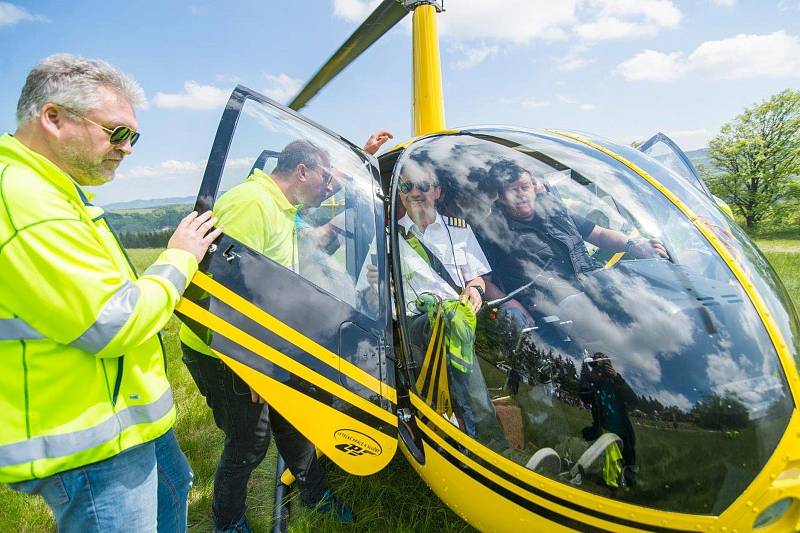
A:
(85, 407)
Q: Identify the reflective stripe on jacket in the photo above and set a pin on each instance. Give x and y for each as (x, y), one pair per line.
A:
(82, 373)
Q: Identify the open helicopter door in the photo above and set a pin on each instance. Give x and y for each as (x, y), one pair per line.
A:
(669, 154)
(295, 300)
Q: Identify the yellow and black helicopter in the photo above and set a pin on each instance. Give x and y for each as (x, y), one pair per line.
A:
(642, 392)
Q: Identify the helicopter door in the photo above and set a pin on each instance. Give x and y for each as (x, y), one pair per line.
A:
(669, 154)
(294, 296)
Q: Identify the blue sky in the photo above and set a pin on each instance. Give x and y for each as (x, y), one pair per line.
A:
(623, 69)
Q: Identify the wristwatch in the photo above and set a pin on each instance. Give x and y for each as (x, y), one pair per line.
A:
(479, 289)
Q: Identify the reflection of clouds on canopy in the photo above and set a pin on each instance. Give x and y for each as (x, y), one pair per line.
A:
(460, 166)
(669, 399)
(752, 375)
(763, 276)
(723, 370)
(736, 376)
(644, 326)
(647, 323)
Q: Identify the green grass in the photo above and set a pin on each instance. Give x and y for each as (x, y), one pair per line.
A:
(395, 499)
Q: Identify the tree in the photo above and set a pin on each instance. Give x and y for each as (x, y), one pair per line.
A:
(720, 412)
(758, 155)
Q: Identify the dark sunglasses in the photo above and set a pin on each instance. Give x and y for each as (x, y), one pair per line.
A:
(422, 186)
(118, 135)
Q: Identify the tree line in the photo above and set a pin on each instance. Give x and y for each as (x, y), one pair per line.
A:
(149, 227)
(146, 239)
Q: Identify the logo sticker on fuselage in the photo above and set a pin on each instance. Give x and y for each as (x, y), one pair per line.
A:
(355, 443)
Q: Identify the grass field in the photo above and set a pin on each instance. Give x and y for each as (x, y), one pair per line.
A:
(393, 500)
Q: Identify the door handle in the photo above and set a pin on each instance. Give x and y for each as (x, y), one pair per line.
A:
(229, 254)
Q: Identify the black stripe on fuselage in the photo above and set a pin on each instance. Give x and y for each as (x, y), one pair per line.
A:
(258, 331)
(278, 373)
(530, 488)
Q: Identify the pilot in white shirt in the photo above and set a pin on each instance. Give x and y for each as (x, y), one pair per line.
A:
(454, 244)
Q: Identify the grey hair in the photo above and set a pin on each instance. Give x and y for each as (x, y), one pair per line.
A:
(72, 81)
(301, 151)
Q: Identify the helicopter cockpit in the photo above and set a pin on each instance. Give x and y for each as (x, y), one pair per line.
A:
(642, 376)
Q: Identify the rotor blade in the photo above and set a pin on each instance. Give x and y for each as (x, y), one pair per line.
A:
(385, 16)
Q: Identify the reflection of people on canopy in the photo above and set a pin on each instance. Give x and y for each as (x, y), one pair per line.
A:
(609, 395)
(530, 236)
(442, 266)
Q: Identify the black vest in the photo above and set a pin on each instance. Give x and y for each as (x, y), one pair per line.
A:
(549, 246)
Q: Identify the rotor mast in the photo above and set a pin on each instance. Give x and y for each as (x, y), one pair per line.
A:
(427, 107)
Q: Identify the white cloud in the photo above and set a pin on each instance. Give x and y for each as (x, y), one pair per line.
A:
(568, 100)
(670, 399)
(281, 87)
(169, 167)
(660, 12)
(776, 55)
(613, 28)
(195, 96)
(570, 63)
(652, 65)
(574, 60)
(173, 167)
(228, 78)
(472, 56)
(353, 10)
(785, 5)
(724, 3)
(532, 103)
(515, 21)
(621, 19)
(749, 56)
(11, 14)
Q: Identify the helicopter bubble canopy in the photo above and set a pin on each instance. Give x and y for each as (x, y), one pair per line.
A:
(635, 359)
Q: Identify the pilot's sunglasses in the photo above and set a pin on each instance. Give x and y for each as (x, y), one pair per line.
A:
(422, 186)
(118, 135)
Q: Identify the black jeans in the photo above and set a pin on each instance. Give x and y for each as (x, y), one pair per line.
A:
(247, 432)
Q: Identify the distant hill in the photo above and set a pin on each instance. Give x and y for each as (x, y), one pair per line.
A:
(700, 157)
(154, 202)
(148, 219)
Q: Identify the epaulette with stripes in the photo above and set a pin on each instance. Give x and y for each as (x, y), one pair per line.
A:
(456, 222)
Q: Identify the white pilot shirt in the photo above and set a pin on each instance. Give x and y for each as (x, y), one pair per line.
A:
(455, 246)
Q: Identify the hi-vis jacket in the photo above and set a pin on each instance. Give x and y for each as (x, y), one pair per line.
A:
(82, 369)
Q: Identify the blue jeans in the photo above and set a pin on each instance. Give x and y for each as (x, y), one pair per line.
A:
(143, 489)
